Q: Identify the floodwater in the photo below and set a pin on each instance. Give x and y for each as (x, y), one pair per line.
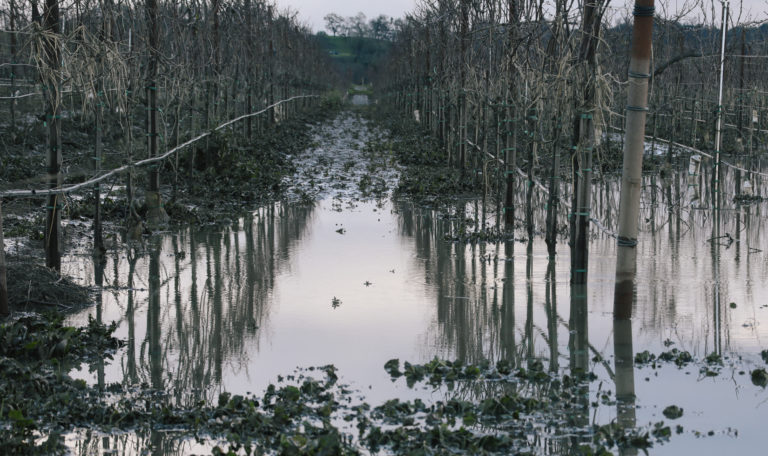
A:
(355, 280)
(360, 100)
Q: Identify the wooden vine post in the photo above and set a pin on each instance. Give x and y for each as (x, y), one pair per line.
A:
(553, 201)
(156, 215)
(463, 60)
(585, 142)
(12, 30)
(51, 80)
(510, 142)
(631, 177)
(4, 310)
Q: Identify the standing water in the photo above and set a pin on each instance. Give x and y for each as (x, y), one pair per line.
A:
(341, 273)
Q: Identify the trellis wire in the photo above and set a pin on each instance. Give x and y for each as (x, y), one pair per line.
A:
(146, 161)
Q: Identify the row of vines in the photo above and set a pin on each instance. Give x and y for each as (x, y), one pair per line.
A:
(99, 85)
(531, 99)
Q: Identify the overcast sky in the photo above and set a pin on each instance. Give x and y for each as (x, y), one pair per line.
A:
(311, 12)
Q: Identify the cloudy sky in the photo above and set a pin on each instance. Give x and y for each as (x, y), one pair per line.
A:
(311, 12)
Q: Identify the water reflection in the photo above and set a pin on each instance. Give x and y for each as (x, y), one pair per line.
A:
(624, 298)
(155, 443)
(189, 290)
(507, 326)
(624, 368)
(578, 354)
(552, 317)
(229, 308)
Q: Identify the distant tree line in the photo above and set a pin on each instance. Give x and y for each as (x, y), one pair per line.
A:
(381, 27)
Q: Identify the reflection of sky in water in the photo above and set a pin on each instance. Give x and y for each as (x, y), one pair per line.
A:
(272, 283)
(245, 304)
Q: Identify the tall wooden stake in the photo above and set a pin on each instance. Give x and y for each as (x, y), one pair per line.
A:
(585, 142)
(156, 215)
(51, 81)
(510, 149)
(12, 25)
(463, 120)
(3, 282)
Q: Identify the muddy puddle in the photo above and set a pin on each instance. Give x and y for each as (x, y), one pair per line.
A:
(356, 278)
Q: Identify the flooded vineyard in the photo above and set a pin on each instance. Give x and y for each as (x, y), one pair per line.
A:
(354, 281)
(486, 228)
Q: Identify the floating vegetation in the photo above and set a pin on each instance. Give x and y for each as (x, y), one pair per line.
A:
(309, 413)
(516, 401)
(678, 357)
(760, 377)
(745, 199)
(485, 235)
(673, 412)
(43, 338)
(38, 397)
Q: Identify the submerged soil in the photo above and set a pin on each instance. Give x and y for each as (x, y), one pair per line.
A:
(423, 340)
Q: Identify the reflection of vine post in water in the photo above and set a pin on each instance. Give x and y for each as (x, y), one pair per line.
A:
(131, 374)
(530, 354)
(625, 376)
(98, 273)
(578, 347)
(624, 353)
(716, 304)
(508, 305)
(551, 307)
(153, 318)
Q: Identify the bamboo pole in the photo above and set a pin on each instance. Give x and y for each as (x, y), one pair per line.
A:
(740, 119)
(631, 179)
(719, 121)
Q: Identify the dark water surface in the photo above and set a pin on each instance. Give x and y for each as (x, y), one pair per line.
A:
(355, 283)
